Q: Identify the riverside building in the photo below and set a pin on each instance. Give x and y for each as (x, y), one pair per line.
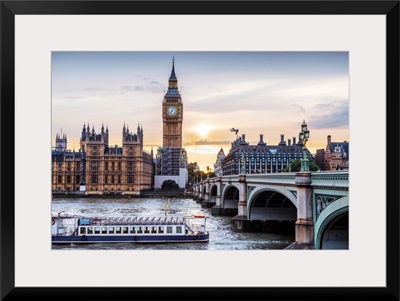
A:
(262, 158)
(336, 155)
(98, 168)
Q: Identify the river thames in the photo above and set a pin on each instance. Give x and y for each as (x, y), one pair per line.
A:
(221, 235)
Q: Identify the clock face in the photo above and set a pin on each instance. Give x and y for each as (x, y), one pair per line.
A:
(171, 111)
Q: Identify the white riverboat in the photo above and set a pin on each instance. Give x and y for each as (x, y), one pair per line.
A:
(75, 229)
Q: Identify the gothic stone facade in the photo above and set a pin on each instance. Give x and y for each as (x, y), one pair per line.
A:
(101, 168)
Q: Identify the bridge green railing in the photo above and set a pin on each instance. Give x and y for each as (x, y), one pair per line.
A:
(334, 179)
(323, 179)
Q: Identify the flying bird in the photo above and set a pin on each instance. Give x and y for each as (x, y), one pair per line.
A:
(234, 130)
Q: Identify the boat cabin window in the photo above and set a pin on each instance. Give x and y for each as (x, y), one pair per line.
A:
(139, 230)
(90, 230)
(104, 230)
(132, 230)
(125, 230)
(96, 230)
(146, 230)
(110, 230)
(169, 229)
(153, 229)
(82, 230)
(178, 229)
(118, 230)
(160, 229)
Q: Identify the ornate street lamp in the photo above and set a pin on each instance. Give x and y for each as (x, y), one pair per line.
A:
(303, 136)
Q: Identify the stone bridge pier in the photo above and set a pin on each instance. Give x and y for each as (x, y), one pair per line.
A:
(194, 191)
(217, 208)
(304, 226)
(218, 199)
(200, 196)
(207, 201)
(240, 222)
(304, 222)
(197, 191)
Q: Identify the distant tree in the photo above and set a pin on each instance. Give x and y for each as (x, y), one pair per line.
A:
(169, 185)
(191, 168)
(210, 173)
(295, 166)
(314, 166)
(196, 174)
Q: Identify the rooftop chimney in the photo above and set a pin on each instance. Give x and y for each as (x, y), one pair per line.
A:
(294, 140)
(329, 139)
(261, 142)
(282, 140)
(288, 142)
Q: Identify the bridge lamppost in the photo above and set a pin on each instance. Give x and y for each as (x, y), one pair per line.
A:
(304, 135)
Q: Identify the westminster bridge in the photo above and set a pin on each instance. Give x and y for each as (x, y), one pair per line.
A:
(317, 203)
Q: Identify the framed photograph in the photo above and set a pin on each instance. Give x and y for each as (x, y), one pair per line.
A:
(62, 65)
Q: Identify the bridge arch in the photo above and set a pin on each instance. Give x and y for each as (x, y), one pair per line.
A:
(289, 191)
(213, 193)
(271, 204)
(230, 196)
(332, 226)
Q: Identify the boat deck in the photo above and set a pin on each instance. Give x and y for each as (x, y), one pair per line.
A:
(136, 221)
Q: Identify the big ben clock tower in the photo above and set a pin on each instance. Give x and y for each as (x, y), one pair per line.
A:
(171, 158)
(172, 113)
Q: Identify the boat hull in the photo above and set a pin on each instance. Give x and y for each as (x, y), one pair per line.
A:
(142, 239)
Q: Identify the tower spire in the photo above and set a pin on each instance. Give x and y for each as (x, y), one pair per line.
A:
(173, 76)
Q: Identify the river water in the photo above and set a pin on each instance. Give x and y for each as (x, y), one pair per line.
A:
(221, 235)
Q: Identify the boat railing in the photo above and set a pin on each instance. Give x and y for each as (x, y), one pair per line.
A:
(138, 220)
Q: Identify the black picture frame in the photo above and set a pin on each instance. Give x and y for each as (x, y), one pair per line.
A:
(9, 9)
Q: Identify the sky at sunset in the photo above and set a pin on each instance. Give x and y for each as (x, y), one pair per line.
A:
(268, 93)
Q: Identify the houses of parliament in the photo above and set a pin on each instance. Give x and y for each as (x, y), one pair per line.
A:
(99, 168)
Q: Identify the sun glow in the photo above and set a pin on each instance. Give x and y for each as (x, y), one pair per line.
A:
(202, 129)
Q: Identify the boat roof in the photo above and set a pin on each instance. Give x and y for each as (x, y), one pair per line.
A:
(135, 220)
